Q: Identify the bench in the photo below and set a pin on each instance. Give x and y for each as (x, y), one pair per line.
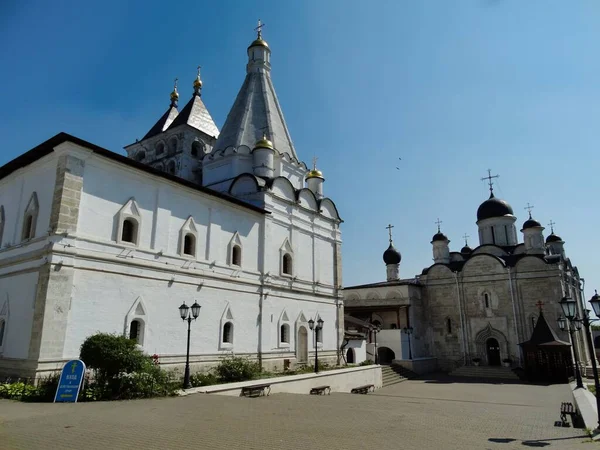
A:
(320, 390)
(363, 389)
(567, 409)
(256, 390)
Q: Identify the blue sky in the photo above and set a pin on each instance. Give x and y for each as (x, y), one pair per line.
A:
(453, 88)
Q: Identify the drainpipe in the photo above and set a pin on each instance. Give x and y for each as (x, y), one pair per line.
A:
(462, 323)
(512, 299)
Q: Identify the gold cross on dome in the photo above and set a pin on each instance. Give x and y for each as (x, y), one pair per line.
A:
(489, 178)
(258, 29)
(389, 228)
(552, 226)
(529, 208)
(315, 159)
(539, 304)
(465, 237)
(438, 223)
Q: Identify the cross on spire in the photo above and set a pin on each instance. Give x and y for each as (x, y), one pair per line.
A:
(552, 226)
(489, 178)
(258, 29)
(529, 208)
(389, 228)
(315, 162)
(438, 223)
(465, 237)
(540, 304)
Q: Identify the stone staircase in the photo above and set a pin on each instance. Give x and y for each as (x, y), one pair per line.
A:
(485, 372)
(395, 374)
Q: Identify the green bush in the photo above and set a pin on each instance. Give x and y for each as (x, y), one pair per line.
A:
(203, 379)
(110, 354)
(43, 392)
(366, 362)
(236, 368)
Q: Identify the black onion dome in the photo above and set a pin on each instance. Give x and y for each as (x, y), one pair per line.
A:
(391, 255)
(493, 207)
(553, 238)
(439, 236)
(466, 249)
(531, 223)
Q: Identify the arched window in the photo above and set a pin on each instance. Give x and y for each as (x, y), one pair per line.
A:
(140, 156)
(134, 330)
(285, 333)
(171, 167)
(287, 264)
(236, 255)
(129, 232)
(160, 148)
(2, 328)
(228, 333)
(28, 227)
(486, 299)
(189, 244)
(448, 326)
(197, 148)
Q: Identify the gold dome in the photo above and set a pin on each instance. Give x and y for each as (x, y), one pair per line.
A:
(260, 42)
(175, 94)
(263, 143)
(197, 82)
(315, 173)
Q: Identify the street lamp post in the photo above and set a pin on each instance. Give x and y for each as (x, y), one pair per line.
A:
(184, 312)
(317, 329)
(568, 307)
(563, 324)
(376, 330)
(408, 331)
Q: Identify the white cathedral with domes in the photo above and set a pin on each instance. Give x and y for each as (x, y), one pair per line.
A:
(232, 219)
(473, 305)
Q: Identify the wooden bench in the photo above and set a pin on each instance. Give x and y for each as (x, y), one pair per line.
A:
(363, 389)
(320, 390)
(567, 409)
(256, 390)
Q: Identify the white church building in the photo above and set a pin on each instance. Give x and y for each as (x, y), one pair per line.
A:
(93, 241)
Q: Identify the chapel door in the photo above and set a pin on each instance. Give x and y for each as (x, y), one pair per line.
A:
(302, 352)
(493, 352)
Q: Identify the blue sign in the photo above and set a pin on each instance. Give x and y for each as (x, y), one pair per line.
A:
(70, 381)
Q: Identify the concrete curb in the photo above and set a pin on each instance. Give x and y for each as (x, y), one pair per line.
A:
(586, 405)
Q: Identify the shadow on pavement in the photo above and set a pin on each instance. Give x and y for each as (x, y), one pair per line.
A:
(443, 378)
(536, 442)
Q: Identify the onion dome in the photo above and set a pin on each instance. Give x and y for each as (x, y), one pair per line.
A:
(391, 255)
(553, 238)
(439, 236)
(466, 250)
(315, 173)
(493, 207)
(197, 83)
(263, 143)
(174, 94)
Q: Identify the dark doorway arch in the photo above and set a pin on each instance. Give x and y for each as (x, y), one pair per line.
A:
(350, 356)
(385, 355)
(493, 352)
(597, 342)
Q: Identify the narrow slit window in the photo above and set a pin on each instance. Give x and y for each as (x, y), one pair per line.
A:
(449, 326)
(2, 328)
(189, 245)
(287, 264)
(129, 232)
(236, 255)
(486, 298)
(134, 330)
(285, 333)
(228, 333)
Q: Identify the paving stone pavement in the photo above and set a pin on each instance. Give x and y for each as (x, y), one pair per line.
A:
(440, 413)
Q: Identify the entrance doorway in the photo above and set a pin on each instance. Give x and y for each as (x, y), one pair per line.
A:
(302, 351)
(493, 352)
(385, 355)
(350, 356)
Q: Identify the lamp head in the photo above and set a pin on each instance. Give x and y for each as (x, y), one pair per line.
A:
(183, 311)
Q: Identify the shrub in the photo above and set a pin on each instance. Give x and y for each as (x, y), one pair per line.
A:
(110, 354)
(236, 368)
(203, 379)
(366, 362)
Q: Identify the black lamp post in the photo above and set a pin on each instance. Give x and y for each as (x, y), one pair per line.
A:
(185, 315)
(317, 329)
(564, 325)
(376, 330)
(568, 307)
(408, 331)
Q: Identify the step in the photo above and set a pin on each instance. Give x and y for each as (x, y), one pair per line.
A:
(494, 372)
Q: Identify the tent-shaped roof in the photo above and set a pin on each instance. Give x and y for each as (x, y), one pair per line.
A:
(543, 335)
